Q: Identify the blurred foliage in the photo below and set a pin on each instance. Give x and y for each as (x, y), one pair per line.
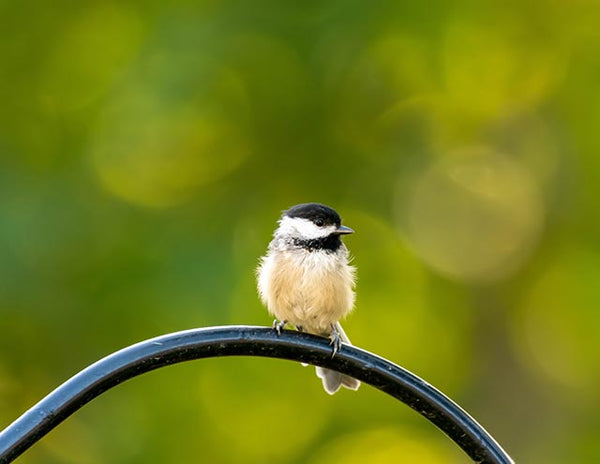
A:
(147, 149)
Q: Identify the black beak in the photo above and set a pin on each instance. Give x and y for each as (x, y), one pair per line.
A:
(343, 230)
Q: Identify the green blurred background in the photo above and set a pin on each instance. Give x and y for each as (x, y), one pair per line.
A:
(147, 149)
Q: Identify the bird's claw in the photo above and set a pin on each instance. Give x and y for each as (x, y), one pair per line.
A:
(336, 341)
(278, 326)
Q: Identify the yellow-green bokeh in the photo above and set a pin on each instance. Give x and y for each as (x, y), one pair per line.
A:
(147, 150)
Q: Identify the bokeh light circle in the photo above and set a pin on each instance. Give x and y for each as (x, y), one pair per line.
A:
(557, 326)
(474, 216)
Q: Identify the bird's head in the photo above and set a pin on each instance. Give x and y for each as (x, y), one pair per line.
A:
(311, 221)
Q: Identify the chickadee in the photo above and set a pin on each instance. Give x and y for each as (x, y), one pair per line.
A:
(305, 279)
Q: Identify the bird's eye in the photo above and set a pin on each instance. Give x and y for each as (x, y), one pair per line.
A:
(319, 222)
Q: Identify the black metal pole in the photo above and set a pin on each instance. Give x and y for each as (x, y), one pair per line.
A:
(248, 341)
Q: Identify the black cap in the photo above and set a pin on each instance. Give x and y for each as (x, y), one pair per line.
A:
(315, 212)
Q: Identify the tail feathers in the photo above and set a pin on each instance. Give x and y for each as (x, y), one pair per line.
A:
(350, 383)
(333, 380)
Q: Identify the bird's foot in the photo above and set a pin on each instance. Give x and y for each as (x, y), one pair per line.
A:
(336, 340)
(278, 326)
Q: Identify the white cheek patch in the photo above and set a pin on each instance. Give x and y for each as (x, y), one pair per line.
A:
(302, 228)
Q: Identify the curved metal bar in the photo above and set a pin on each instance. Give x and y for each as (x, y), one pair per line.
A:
(248, 341)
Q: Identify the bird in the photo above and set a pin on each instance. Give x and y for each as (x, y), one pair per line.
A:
(305, 279)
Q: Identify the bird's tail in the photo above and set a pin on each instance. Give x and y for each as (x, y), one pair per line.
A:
(333, 380)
